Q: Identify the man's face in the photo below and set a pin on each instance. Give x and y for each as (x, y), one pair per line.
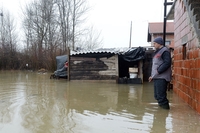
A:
(156, 45)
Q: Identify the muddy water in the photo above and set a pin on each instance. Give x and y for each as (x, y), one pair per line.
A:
(33, 103)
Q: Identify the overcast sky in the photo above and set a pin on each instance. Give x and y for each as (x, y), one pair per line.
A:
(113, 19)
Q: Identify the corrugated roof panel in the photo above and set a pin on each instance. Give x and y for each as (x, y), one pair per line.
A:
(101, 50)
(109, 52)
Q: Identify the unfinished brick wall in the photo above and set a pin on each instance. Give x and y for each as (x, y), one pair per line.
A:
(186, 58)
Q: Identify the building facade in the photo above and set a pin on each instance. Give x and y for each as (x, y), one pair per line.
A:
(155, 29)
(186, 15)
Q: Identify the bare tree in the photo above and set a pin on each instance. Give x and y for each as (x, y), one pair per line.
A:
(8, 41)
(51, 26)
(72, 14)
(91, 39)
(80, 8)
(64, 7)
(41, 31)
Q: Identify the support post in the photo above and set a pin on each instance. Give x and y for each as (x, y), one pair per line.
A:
(68, 68)
(165, 19)
(130, 35)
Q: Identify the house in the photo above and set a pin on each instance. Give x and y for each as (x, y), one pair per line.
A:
(155, 29)
(186, 16)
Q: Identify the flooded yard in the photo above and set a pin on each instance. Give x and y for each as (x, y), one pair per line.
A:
(34, 103)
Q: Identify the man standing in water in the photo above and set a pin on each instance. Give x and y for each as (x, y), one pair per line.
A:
(161, 72)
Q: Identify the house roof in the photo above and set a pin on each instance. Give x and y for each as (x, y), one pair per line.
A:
(129, 54)
(157, 27)
(101, 51)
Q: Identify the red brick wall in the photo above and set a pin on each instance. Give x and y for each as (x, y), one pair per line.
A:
(186, 71)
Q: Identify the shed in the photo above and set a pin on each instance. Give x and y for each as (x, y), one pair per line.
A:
(123, 65)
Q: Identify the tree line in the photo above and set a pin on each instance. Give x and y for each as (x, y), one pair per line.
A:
(48, 29)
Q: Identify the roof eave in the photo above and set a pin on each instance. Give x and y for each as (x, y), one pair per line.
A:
(161, 32)
(170, 15)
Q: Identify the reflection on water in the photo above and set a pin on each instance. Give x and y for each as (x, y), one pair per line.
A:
(33, 103)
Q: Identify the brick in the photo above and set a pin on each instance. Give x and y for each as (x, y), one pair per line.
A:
(180, 93)
(187, 90)
(176, 57)
(186, 98)
(194, 104)
(182, 87)
(198, 86)
(190, 54)
(198, 63)
(192, 84)
(194, 73)
(198, 73)
(197, 76)
(190, 92)
(186, 64)
(181, 79)
(195, 53)
(198, 108)
(192, 64)
(175, 51)
(190, 73)
(198, 96)
(188, 81)
(184, 71)
(175, 64)
(190, 101)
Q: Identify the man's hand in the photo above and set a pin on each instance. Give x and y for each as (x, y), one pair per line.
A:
(150, 79)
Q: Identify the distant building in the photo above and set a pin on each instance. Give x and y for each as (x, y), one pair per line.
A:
(155, 29)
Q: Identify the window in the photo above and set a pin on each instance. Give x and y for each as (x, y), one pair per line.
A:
(184, 51)
(167, 43)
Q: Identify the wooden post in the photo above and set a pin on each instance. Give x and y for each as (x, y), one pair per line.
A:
(130, 35)
(140, 71)
(117, 67)
(68, 69)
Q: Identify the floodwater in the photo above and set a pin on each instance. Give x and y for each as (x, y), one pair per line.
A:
(34, 103)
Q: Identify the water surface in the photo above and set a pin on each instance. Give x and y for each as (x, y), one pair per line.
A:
(34, 103)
